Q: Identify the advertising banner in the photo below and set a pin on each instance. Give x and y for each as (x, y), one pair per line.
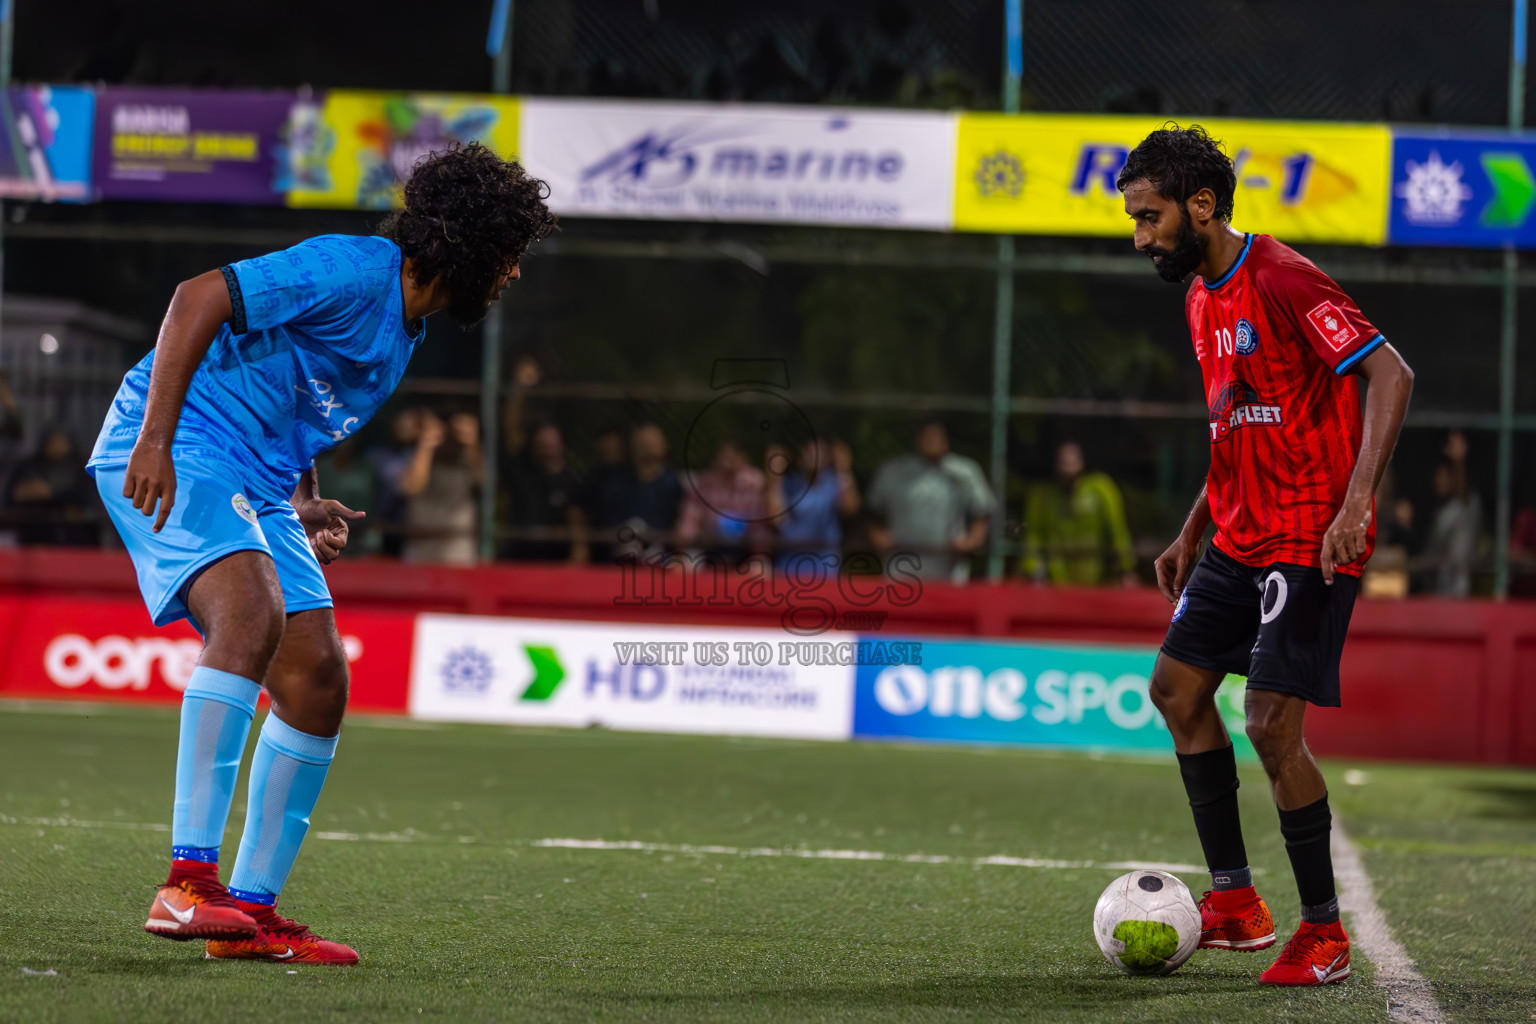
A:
(1465, 189)
(45, 142)
(70, 648)
(356, 149)
(694, 161)
(192, 146)
(631, 676)
(1034, 694)
(1054, 174)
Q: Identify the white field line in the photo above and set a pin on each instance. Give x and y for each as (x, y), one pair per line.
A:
(635, 846)
(1409, 997)
(996, 860)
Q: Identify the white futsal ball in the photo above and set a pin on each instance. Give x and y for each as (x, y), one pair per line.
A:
(1147, 923)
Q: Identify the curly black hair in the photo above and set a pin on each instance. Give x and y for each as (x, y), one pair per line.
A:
(468, 215)
(1180, 162)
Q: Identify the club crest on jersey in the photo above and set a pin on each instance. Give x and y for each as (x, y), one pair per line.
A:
(1239, 405)
(243, 508)
(1247, 342)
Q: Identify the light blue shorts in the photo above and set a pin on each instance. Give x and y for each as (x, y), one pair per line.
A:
(221, 507)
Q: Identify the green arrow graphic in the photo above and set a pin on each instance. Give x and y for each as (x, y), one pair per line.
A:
(1514, 191)
(547, 672)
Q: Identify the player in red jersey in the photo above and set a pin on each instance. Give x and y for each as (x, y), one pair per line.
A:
(1294, 467)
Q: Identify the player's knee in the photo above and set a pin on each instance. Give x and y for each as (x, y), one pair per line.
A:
(1273, 736)
(333, 674)
(246, 643)
(1171, 702)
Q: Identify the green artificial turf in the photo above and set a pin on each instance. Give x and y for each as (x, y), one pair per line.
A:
(431, 874)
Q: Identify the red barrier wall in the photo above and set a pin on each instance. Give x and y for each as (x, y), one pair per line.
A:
(1423, 679)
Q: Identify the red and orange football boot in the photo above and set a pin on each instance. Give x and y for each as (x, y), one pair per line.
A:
(1318, 954)
(1235, 919)
(282, 941)
(193, 905)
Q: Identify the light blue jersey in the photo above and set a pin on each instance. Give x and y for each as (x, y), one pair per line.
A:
(317, 342)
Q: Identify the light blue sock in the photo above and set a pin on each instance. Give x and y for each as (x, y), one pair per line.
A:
(216, 712)
(287, 772)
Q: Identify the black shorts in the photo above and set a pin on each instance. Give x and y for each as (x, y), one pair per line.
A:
(1281, 626)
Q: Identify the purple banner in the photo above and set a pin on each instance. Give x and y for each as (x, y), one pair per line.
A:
(177, 145)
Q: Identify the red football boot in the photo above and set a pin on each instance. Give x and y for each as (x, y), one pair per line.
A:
(193, 905)
(282, 941)
(1318, 954)
(1235, 919)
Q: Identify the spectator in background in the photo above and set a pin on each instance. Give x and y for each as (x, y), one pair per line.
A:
(808, 503)
(1074, 526)
(1456, 526)
(544, 502)
(639, 505)
(50, 497)
(723, 506)
(1522, 547)
(390, 464)
(439, 486)
(932, 503)
(351, 480)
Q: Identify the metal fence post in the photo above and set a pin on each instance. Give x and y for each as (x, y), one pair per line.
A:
(498, 44)
(1002, 329)
(1510, 327)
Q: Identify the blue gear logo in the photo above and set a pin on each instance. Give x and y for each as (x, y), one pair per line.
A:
(999, 174)
(467, 670)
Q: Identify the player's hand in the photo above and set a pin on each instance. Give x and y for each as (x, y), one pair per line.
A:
(151, 478)
(1174, 566)
(1345, 540)
(326, 521)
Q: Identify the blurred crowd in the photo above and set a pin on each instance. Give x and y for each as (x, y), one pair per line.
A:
(421, 483)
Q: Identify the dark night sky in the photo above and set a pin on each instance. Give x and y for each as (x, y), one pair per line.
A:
(323, 43)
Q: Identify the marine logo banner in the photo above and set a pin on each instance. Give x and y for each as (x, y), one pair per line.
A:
(694, 161)
(1054, 174)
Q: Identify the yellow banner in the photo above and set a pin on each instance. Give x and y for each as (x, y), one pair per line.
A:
(357, 149)
(1054, 174)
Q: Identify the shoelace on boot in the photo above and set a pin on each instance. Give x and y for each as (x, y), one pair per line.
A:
(208, 890)
(1300, 949)
(284, 927)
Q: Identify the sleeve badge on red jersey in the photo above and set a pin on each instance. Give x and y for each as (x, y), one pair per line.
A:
(1330, 323)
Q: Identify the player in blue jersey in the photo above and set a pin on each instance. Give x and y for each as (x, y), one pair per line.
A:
(206, 467)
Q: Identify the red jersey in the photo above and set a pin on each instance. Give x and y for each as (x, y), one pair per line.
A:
(1277, 341)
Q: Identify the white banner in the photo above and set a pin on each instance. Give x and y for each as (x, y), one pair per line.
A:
(734, 162)
(696, 679)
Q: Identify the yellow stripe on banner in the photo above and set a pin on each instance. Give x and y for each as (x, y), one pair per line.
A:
(1054, 174)
(363, 145)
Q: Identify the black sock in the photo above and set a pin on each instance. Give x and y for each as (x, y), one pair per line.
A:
(1306, 832)
(1210, 779)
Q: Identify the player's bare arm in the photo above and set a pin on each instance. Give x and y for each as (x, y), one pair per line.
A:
(1389, 383)
(197, 309)
(325, 520)
(1174, 565)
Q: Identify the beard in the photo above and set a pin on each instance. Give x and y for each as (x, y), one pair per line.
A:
(469, 312)
(1180, 261)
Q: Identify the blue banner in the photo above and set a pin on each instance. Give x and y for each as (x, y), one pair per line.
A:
(45, 142)
(1035, 694)
(1464, 189)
